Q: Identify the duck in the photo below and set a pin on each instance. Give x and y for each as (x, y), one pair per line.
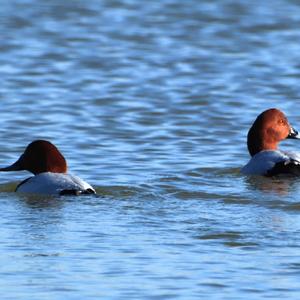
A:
(268, 130)
(49, 167)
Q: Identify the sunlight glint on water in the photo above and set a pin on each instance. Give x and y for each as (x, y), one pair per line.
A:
(151, 103)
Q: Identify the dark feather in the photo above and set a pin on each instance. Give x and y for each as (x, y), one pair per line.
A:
(22, 182)
(77, 192)
(290, 166)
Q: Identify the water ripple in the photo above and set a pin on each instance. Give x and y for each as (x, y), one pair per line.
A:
(150, 103)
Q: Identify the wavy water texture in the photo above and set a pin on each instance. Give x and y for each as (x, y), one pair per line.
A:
(150, 102)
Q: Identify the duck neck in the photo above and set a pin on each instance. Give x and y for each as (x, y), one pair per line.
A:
(257, 143)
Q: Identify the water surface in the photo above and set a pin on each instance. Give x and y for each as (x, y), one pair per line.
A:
(150, 102)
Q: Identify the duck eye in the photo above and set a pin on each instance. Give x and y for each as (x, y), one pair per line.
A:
(281, 122)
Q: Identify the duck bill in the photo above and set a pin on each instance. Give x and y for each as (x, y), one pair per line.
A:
(17, 166)
(293, 134)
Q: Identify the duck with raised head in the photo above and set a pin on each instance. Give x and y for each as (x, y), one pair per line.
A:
(49, 167)
(268, 130)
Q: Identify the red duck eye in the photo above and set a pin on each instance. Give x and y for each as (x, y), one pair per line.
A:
(281, 122)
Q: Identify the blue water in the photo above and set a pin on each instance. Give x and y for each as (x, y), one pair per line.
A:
(150, 102)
